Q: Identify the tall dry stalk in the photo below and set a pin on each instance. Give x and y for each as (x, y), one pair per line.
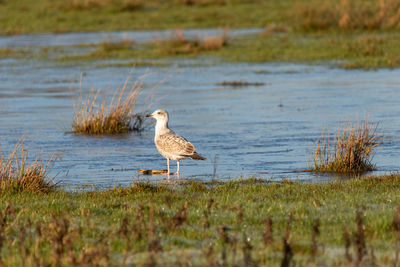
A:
(16, 174)
(109, 118)
(351, 150)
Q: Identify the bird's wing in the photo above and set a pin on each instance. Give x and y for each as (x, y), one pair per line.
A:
(175, 144)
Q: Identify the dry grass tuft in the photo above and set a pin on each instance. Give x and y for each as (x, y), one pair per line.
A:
(349, 15)
(351, 151)
(179, 44)
(113, 118)
(17, 175)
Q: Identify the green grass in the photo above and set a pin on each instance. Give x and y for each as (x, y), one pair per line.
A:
(353, 34)
(361, 51)
(22, 16)
(177, 224)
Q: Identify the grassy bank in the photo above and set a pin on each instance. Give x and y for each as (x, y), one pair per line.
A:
(243, 222)
(350, 34)
(360, 51)
(23, 16)
(350, 51)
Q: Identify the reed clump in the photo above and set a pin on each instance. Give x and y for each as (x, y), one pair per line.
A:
(18, 175)
(349, 15)
(351, 150)
(180, 44)
(116, 117)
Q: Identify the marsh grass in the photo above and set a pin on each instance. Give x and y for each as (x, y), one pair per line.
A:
(228, 224)
(180, 44)
(17, 174)
(100, 117)
(350, 152)
(361, 51)
(348, 15)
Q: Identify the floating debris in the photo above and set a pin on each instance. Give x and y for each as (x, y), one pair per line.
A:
(240, 83)
(151, 172)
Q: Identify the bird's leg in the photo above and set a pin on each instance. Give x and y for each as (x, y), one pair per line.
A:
(177, 164)
(168, 166)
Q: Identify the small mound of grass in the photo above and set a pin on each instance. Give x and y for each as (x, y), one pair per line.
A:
(180, 44)
(351, 151)
(91, 117)
(17, 175)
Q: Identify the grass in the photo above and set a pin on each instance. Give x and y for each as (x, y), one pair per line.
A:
(348, 15)
(362, 51)
(12, 53)
(22, 16)
(351, 150)
(91, 117)
(17, 174)
(232, 223)
(179, 44)
(350, 34)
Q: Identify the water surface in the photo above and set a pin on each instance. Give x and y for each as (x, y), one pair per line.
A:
(266, 131)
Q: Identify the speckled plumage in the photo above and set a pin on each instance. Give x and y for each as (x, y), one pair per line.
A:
(170, 144)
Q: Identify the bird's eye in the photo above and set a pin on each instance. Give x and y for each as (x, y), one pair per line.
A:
(159, 113)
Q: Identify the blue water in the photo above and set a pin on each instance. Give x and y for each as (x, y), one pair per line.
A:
(266, 131)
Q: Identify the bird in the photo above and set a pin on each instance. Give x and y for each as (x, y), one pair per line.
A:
(170, 144)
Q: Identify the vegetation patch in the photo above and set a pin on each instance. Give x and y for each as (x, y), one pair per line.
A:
(227, 224)
(348, 15)
(12, 53)
(99, 117)
(239, 83)
(350, 151)
(179, 44)
(19, 175)
(139, 63)
(361, 51)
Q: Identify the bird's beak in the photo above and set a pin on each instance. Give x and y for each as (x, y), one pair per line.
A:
(149, 115)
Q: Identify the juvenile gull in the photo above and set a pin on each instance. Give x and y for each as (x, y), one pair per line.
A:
(170, 144)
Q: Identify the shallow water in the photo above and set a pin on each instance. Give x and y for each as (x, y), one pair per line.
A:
(265, 131)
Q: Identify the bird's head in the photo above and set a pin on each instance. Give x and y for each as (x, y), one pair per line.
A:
(159, 115)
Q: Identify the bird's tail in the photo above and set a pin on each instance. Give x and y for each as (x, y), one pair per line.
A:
(196, 156)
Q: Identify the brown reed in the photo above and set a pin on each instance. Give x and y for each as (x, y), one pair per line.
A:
(116, 117)
(17, 174)
(351, 151)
